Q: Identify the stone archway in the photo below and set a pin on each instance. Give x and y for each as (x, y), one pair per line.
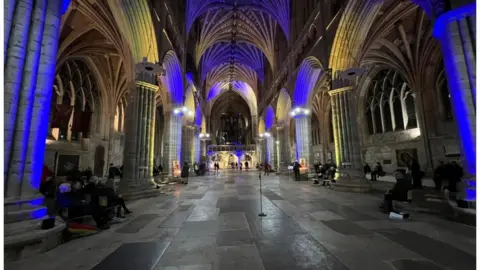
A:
(99, 164)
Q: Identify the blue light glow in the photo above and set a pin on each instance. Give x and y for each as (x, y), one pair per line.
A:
(307, 76)
(269, 118)
(37, 202)
(198, 116)
(460, 98)
(65, 5)
(39, 213)
(174, 79)
(442, 22)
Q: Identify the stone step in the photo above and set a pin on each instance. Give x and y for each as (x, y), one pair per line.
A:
(22, 226)
(14, 204)
(25, 214)
(147, 193)
(28, 243)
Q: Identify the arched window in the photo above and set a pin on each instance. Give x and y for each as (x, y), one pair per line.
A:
(80, 90)
(63, 132)
(389, 103)
(446, 103)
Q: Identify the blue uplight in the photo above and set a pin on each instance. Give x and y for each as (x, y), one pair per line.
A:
(269, 118)
(65, 5)
(39, 213)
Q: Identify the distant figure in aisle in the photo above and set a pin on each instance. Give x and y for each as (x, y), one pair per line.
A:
(184, 173)
(296, 171)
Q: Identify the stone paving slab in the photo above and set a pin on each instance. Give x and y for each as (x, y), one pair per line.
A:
(213, 223)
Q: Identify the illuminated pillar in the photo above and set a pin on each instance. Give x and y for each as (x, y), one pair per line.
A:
(139, 127)
(188, 144)
(31, 31)
(303, 136)
(172, 147)
(345, 130)
(269, 151)
(281, 157)
(197, 145)
(455, 30)
(203, 151)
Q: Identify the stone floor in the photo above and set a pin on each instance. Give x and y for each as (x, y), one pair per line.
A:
(213, 223)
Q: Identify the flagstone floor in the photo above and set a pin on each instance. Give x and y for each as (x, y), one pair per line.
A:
(213, 223)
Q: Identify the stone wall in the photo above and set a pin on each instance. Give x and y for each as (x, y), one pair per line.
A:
(85, 148)
(383, 147)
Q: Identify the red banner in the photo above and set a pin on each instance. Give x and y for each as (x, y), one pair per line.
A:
(61, 116)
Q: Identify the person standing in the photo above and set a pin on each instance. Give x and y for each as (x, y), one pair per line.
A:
(184, 173)
(416, 174)
(367, 170)
(246, 165)
(439, 175)
(377, 171)
(296, 170)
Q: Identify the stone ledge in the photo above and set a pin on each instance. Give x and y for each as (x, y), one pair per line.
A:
(142, 194)
(30, 243)
(352, 187)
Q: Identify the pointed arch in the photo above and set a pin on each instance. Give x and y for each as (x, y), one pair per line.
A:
(190, 104)
(284, 105)
(173, 81)
(308, 74)
(269, 118)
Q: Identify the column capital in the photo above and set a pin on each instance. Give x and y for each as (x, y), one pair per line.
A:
(442, 22)
(149, 86)
(340, 90)
(279, 125)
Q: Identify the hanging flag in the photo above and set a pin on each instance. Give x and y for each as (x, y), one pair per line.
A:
(86, 120)
(61, 116)
(81, 122)
(77, 121)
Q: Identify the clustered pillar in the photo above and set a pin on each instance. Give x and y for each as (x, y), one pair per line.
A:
(187, 144)
(456, 32)
(31, 31)
(173, 140)
(303, 135)
(197, 145)
(140, 133)
(345, 133)
(283, 147)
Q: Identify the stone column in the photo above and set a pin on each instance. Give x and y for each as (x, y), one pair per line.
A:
(172, 147)
(345, 129)
(283, 146)
(303, 136)
(139, 126)
(188, 136)
(455, 30)
(254, 126)
(197, 145)
(31, 30)
(203, 150)
(346, 140)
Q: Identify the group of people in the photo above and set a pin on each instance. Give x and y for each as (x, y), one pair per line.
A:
(327, 170)
(82, 194)
(233, 165)
(414, 172)
(445, 173)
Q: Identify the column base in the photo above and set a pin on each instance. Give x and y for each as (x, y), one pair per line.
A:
(141, 191)
(23, 234)
(351, 180)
